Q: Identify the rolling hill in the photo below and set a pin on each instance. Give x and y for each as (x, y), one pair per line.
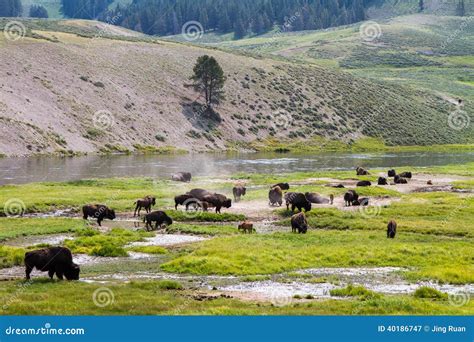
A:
(65, 81)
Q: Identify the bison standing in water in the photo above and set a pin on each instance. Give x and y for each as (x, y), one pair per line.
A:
(181, 177)
(350, 197)
(54, 260)
(238, 191)
(98, 211)
(147, 203)
(299, 223)
(391, 229)
(159, 217)
(275, 196)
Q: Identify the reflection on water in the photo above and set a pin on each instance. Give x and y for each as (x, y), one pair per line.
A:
(34, 169)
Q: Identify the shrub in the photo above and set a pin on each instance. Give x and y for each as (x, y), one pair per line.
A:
(429, 292)
(169, 285)
(354, 291)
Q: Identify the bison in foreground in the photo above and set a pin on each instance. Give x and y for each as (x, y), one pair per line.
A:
(299, 223)
(181, 177)
(98, 211)
(54, 260)
(159, 217)
(146, 203)
(391, 229)
(275, 196)
(238, 192)
(349, 197)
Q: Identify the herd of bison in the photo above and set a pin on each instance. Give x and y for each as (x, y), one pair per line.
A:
(58, 260)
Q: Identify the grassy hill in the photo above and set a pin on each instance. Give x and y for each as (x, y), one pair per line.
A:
(64, 75)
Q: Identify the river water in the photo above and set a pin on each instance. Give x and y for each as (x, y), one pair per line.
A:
(36, 169)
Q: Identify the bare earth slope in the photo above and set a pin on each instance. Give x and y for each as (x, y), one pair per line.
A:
(58, 90)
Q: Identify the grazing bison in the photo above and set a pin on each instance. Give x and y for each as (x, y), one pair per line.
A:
(218, 201)
(146, 203)
(400, 180)
(283, 186)
(382, 181)
(98, 211)
(52, 260)
(181, 177)
(364, 183)
(298, 200)
(315, 198)
(238, 192)
(406, 175)
(275, 196)
(159, 217)
(364, 201)
(361, 171)
(349, 197)
(391, 229)
(299, 223)
(246, 226)
(391, 173)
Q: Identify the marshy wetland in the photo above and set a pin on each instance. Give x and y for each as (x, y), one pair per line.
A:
(201, 264)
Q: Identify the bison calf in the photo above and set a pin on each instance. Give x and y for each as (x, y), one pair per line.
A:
(299, 223)
(98, 211)
(391, 229)
(246, 226)
(147, 203)
(159, 217)
(54, 260)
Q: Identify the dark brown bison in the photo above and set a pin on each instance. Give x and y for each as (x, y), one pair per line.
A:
(339, 186)
(364, 201)
(400, 180)
(331, 199)
(159, 217)
(287, 197)
(361, 171)
(391, 173)
(189, 201)
(364, 183)
(98, 211)
(52, 260)
(382, 181)
(283, 186)
(146, 202)
(199, 193)
(299, 223)
(246, 226)
(315, 198)
(349, 197)
(298, 200)
(430, 182)
(181, 200)
(181, 177)
(391, 229)
(406, 175)
(218, 201)
(275, 196)
(238, 191)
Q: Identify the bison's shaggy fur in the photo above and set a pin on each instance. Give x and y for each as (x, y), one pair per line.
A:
(349, 197)
(182, 177)
(159, 217)
(298, 200)
(382, 181)
(299, 223)
(391, 229)
(246, 227)
(282, 186)
(391, 173)
(238, 192)
(275, 196)
(146, 202)
(54, 260)
(98, 211)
